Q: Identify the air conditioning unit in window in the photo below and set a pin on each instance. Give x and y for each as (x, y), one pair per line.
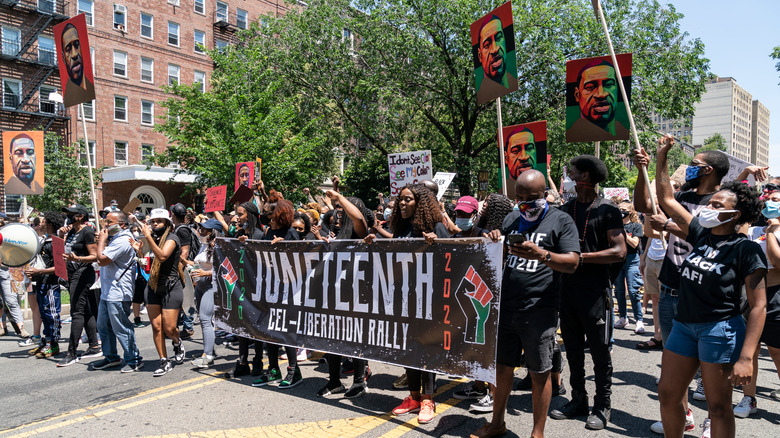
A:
(120, 9)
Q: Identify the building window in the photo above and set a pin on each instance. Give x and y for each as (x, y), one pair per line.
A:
(242, 19)
(147, 26)
(83, 155)
(147, 70)
(200, 78)
(47, 53)
(120, 17)
(120, 63)
(120, 153)
(12, 41)
(220, 45)
(200, 7)
(173, 74)
(44, 104)
(46, 6)
(120, 108)
(89, 110)
(200, 41)
(147, 154)
(222, 11)
(173, 34)
(147, 112)
(87, 7)
(12, 93)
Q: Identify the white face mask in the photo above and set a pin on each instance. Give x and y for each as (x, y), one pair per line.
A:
(708, 218)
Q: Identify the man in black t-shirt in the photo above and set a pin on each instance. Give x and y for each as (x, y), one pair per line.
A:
(547, 246)
(586, 303)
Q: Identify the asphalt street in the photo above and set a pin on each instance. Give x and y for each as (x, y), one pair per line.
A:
(39, 399)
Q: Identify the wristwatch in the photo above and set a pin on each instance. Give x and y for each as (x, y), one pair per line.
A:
(547, 257)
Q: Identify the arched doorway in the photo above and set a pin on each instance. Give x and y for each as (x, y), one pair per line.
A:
(150, 198)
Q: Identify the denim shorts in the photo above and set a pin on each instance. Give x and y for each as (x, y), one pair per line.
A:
(710, 342)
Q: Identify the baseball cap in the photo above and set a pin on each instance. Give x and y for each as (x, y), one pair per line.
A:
(76, 209)
(467, 204)
(160, 213)
(179, 210)
(211, 224)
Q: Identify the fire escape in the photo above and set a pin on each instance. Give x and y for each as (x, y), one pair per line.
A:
(225, 27)
(18, 48)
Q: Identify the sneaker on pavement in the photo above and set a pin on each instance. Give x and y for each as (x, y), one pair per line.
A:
(36, 350)
(357, 390)
(48, 351)
(485, 404)
(68, 360)
(92, 352)
(105, 363)
(165, 366)
(621, 323)
(598, 419)
(303, 355)
(574, 408)
(470, 393)
(640, 328)
(690, 424)
(348, 367)
(401, 382)
(137, 322)
(486, 432)
(427, 411)
(699, 393)
(326, 392)
(273, 375)
(179, 352)
(408, 405)
(746, 407)
(293, 378)
(132, 368)
(705, 429)
(30, 341)
(203, 362)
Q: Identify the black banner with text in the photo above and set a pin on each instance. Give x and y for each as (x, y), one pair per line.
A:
(398, 301)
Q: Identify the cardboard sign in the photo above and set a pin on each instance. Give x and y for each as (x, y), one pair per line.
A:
(258, 168)
(74, 61)
(443, 179)
(483, 180)
(620, 192)
(132, 205)
(408, 168)
(23, 162)
(679, 174)
(525, 147)
(58, 249)
(493, 53)
(215, 199)
(245, 174)
(595, 110)
(242, 195)
(736, 166)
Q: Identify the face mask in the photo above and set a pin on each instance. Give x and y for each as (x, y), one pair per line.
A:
(232, 230)
(515, 208)
(464, 223)
(114, 229)
(387, 213)
(532, 211)
(771, 210)
(136, 235)
(70, 219)
(708, 218)
(159, 232)
(203, 239)
(623, 214)
(245, 226)
(265, 219)
(692, 172)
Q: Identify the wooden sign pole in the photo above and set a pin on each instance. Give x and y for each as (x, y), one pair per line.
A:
(89, 167)
(501, 148)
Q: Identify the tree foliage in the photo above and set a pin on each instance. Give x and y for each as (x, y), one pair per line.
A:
(716, 142)
(66, 182)
(776, 55)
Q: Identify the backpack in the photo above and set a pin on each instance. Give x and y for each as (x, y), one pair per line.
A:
(194, 243)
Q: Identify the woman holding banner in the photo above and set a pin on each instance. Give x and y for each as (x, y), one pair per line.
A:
(417, 214)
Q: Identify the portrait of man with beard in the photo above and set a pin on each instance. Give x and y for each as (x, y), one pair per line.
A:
(593, 109)
(72, 43)
(525, 148)
(22, 161)
(495, 66)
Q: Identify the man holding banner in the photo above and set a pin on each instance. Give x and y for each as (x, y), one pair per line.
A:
(542, 244)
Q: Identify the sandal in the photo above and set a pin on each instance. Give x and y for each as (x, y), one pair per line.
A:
(652, 344)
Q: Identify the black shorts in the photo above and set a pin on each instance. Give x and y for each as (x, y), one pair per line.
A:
(172, 299)
(532, 333)
(771, 334)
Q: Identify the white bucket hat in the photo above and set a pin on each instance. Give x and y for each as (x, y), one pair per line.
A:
(160, 213)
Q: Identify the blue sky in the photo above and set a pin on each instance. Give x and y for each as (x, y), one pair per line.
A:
(738, 38)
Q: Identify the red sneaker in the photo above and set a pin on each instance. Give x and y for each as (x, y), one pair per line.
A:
(408, 405)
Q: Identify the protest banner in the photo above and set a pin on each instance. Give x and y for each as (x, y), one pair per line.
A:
(398, 301)
(58, 250)
(525, 147)
(215, 199)
(245, 174)
(408, 168)
(620, 192)
(23, 164)
(443, 180)
(483, 179)
(493, 54)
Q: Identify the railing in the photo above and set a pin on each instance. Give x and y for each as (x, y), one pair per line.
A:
(51, 7)
(34, 105)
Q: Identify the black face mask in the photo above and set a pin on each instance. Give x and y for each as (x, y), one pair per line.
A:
(265, 219)
(623, 213)
(159, 232)
(71, 218)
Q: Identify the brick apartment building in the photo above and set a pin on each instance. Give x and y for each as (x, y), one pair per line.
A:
(136, 47)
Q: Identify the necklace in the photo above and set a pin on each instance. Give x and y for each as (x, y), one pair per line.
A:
(590, 207)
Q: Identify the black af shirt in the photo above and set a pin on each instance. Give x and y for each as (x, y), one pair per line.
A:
(678, 249)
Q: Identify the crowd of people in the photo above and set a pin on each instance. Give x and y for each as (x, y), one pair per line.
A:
(705, 262)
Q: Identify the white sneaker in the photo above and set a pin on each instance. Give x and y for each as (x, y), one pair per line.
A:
(705, 429)
(640, 328)
(303, 354)
(699, 393)
(485, 404)
(690, 424)
(746, 407)
(621, 323)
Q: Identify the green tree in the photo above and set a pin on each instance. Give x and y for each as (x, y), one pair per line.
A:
(366, 176)
(66, 181)
(245, 115)
(716, 142)
(776, 55)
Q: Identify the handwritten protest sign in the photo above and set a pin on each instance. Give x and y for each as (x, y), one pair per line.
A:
(443, 180)
(736, 166)
(408, 168)
(215, 199)
(620, 192)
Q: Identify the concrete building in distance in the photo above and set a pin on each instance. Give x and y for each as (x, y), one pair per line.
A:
(136, 47)
(759, 135)
(725, 109)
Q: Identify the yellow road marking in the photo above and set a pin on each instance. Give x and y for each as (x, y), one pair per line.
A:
(413, 423)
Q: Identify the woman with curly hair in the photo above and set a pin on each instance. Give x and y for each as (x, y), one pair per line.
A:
(709, 330)
(496, 208)
(417, 214)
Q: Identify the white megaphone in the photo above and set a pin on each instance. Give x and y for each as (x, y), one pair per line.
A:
(19, 244)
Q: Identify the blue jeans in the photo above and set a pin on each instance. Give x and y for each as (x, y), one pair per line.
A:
(629, 276)
(667, 311)
(114, 325)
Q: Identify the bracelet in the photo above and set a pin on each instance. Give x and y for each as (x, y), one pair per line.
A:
(666, 224)
(581, 262)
